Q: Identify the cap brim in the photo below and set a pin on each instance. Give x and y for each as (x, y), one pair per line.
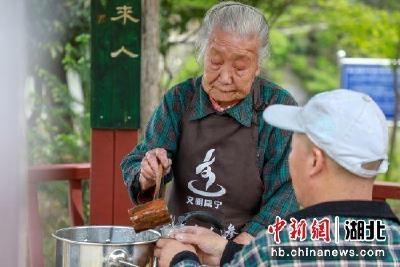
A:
(284, 117)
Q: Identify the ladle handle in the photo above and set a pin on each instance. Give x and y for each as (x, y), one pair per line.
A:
(158, 181)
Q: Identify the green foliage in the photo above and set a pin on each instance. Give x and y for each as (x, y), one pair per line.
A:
(77, 56)
(53, 137)
(59, 40)
(279, 47)
(317, 74)
(190, 68)
(363, 28)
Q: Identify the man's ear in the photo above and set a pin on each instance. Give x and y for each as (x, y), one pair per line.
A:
(318, 161)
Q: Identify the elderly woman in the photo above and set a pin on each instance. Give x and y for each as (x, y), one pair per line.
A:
(209, 136)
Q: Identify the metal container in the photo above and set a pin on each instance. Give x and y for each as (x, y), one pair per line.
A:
(104, 246)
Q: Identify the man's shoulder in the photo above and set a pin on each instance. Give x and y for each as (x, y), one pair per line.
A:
(272, 93)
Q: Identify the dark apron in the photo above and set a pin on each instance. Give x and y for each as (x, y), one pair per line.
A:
(215, 168)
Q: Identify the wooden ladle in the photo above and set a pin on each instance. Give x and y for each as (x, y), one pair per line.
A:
(154, 213)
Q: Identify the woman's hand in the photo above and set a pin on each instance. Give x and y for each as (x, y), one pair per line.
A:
(149, 167)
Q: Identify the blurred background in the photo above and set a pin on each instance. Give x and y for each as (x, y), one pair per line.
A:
(305, 37)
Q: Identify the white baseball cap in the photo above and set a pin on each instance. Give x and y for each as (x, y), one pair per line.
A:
(349, 126)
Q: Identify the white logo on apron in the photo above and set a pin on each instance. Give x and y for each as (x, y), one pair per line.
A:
(205, 170)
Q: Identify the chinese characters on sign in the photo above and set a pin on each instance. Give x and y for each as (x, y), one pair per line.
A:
(123, 50)
(320, 229)
(124, 13)
(115, 66)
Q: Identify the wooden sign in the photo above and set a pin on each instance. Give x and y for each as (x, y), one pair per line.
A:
(115, 69)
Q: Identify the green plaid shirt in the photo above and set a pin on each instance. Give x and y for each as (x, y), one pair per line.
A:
(265, 251)
(273, 148)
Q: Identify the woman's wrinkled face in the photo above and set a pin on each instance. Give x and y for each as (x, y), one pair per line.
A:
(230, 66)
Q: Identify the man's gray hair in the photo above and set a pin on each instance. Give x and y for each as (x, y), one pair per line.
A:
(236, 18)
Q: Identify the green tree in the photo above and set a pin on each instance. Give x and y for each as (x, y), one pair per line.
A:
(58, 41)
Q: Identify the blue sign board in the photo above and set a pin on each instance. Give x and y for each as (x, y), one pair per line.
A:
(372, 77)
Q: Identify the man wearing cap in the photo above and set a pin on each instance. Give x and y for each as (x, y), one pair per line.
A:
(339, 146)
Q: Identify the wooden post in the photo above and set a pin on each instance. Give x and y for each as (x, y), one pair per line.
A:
(109, 201)
(125, 60)
(75, 202)
(115, 104)
(150, 82)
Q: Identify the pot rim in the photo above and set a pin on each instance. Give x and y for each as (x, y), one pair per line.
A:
(104, 244)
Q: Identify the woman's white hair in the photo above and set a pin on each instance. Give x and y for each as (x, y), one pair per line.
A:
(236, 18)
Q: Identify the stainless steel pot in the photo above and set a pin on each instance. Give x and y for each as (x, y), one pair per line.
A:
(104, 246)
(114, 246)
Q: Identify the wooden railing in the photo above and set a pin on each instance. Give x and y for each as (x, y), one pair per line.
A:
(386, 190)
(75, 173)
